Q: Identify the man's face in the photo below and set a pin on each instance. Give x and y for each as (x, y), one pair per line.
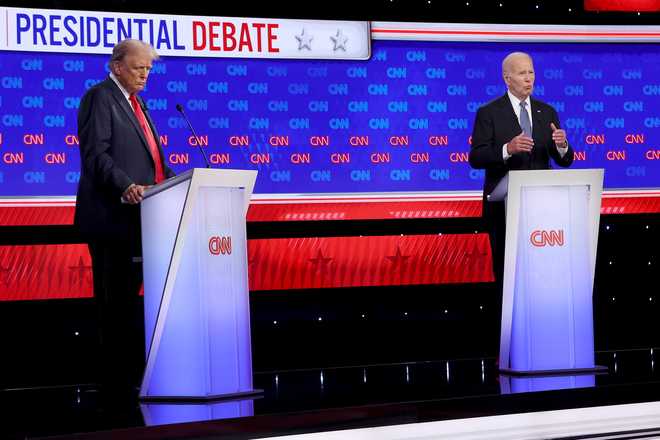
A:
(519, 77)
(133, 70)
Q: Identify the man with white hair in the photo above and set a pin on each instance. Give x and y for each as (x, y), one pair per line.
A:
(120, 156)
(514, 132)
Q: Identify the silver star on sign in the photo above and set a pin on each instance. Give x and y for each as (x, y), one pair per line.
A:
(304, 40)
(339, 40)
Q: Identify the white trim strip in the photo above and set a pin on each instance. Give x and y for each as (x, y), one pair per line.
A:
(534, 425)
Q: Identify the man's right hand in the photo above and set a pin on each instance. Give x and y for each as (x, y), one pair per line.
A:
(133, 194)
(520, 144)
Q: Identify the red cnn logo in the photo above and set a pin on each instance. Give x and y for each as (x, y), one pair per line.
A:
(220, 245)
(547, 238)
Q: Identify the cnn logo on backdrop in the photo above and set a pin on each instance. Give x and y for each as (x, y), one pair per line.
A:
(220, 245)
(541, 238)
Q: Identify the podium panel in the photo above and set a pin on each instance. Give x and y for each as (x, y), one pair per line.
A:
(533, 384)
(197, 318)
(550, 253)
(158, 414)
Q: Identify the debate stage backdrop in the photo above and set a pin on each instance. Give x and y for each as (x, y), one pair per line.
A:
(386, 136)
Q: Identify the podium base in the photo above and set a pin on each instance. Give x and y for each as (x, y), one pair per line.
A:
(597, 369)
(210, 398)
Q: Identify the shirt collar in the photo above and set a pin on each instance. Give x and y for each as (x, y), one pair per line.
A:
(123, 90)
(516, 102)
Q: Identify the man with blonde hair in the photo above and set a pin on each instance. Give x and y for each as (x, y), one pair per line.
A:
(514, 132)
(120, 156)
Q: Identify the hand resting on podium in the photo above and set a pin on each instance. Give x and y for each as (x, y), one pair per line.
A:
(134, 194)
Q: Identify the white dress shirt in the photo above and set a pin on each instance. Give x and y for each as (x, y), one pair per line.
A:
(515, 103)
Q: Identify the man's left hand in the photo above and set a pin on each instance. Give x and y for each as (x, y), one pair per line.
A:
(134, 194)
(559, 136)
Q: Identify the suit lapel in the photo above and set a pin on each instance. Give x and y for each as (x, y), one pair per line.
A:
(511, 118)
(130, 114)
(537, 120)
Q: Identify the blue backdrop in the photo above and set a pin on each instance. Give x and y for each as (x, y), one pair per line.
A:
(398, 122)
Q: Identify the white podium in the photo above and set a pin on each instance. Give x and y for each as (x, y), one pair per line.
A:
(552, 220)
(196, 296)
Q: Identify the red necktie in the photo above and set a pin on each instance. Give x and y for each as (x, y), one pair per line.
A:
(149, 135)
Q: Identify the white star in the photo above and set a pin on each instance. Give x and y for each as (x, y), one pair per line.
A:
(340, 41)
(304, 40)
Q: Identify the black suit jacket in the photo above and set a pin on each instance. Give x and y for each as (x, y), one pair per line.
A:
(113, 154)
(496, 124)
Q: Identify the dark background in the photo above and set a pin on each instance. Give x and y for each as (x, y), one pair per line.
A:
(463, 11)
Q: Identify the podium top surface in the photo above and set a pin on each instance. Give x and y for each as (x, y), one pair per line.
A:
(550, 177)
(227, 178)
(172, 181)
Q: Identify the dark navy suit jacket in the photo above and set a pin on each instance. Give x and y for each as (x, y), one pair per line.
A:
(496, 124)
(113, 155)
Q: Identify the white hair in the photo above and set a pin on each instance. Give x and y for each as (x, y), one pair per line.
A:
(129, 45)
(506, 62)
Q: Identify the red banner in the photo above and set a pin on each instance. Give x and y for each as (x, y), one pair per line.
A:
(64, 271)
(622, 5)
(45, 272)
(320, 262)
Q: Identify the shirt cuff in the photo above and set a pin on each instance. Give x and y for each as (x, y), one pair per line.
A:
(505, 153)
(562, 150)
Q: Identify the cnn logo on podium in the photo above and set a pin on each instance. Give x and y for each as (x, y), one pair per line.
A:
(220, 245)
(542, 238)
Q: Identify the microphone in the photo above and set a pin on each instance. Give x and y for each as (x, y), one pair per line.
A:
(142, 106)
(179, 108)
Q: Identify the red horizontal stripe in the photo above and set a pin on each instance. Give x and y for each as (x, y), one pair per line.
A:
(374, 199)
(337, 262)
(40, 212)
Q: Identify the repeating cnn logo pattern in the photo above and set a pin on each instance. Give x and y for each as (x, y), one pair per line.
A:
(541, 238)
(220, 245)
(371, 138)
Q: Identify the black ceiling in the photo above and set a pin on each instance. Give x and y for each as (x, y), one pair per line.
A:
(465, 11)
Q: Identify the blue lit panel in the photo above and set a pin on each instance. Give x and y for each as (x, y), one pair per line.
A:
(197, 319)
(398, 122)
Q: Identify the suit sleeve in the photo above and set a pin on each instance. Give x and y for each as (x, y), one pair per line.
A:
(567, 159)
(484, 152)
(95, 137)
(168, 171)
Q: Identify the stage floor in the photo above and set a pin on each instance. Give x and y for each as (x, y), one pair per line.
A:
(307, 401)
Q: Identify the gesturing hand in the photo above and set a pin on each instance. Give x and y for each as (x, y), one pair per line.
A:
(520, 144)
(559, 136)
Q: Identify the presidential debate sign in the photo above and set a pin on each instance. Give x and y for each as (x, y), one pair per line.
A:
(370, 108)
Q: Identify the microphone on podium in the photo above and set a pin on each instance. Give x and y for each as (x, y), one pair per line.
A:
(179, 108)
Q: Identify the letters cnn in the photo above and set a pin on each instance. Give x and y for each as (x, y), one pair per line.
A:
(220, 245)
(541, 238)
